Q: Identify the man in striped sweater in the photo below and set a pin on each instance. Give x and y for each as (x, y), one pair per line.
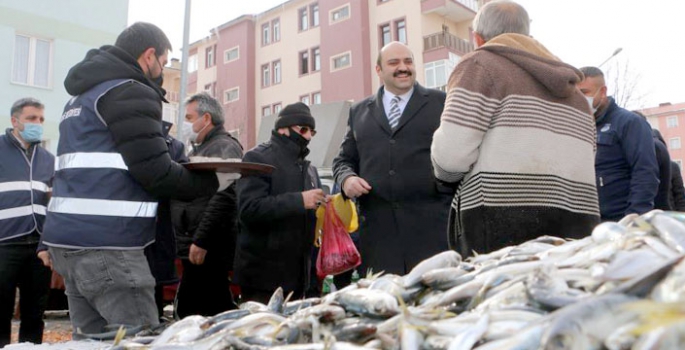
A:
(517, 137)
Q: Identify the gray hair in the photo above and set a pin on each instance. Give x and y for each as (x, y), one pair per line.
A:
(208, 104)
(501, 17)
(18, 106)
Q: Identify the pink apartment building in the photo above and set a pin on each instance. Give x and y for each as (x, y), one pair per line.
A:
(322, 51)
(669, 119)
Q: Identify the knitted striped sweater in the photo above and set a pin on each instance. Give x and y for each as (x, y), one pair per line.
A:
(518, 137)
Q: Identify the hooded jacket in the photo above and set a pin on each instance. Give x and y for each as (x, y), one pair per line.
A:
(133, 114)
(518, 138)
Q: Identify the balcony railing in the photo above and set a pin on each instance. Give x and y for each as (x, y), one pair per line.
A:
(447, 40)
(471, 4)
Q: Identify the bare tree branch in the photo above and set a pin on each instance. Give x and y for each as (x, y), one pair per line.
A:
(624, 85)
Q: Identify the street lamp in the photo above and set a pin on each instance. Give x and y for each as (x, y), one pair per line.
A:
(616, 52)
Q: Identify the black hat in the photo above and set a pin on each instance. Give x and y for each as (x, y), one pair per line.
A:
(295, 114)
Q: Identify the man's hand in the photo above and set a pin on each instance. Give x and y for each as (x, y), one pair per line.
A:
(44, 256)
(313, 198)
(225, 180)
(355, 186)
(197, 255)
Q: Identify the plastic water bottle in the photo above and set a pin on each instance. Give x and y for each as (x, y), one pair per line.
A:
(328, 285)
(355, 277)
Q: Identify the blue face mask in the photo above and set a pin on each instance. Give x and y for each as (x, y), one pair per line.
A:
(32, 132)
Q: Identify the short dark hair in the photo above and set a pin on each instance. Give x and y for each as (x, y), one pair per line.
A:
(18, 106)
(591, 72)
(208, 104)
(141, 36)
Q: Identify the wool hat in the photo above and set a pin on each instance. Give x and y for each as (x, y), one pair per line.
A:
(295, 114)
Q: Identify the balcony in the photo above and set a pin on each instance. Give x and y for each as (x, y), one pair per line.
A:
(454, 10)
(447, 41)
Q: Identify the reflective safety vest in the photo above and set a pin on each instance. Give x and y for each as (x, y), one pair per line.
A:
(24, 187)
(96, 202)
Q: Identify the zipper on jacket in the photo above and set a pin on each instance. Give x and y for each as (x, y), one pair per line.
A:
(601, 182)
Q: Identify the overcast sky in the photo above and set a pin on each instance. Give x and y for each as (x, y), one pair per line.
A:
(580, 32)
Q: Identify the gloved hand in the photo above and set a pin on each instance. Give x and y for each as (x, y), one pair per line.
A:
(226, 179)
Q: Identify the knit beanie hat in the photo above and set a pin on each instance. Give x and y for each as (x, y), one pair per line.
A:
(295, 114)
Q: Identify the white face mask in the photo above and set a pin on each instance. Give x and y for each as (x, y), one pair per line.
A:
(591, 101)
(187, 133)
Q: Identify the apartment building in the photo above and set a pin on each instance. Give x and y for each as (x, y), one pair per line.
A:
(319, 51)
(42, 41)
(669, 119)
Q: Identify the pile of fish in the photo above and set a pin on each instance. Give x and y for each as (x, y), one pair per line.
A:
(623, 287)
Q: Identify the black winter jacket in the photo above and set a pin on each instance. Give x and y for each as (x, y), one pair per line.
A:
(210, 222)
(677, 194)
(661, 201)
(133, 114)
(276, 231)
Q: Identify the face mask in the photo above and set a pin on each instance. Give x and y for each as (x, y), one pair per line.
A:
(298, 139)
(190, 135)
(187, 133)
(591, 102)
(32, 132)
(159, 80)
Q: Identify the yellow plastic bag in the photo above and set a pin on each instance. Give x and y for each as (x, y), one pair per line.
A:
(347, 212)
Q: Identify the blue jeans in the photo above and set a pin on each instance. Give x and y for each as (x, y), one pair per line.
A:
(106, 287)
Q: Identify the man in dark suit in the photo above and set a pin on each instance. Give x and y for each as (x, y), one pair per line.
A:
(385, 163)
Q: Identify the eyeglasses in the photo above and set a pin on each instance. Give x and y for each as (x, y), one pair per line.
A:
(302, 130)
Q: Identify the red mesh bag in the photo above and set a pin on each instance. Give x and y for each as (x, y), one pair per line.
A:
(337, 253)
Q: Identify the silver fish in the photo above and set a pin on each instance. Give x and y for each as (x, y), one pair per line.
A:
(448, 258)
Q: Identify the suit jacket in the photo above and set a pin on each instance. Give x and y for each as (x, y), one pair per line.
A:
(403, 219)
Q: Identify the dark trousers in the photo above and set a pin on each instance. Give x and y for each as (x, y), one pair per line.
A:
(204, 289)
(20, 267)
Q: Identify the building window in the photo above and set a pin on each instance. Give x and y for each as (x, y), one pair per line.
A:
(32, 61)
(266, 110)
(674, 143)
(305, 99)
(316, 59)
(169, 112)
(192, 63)
(316, 98)
(304, 19)
(435, 74)
(401, 31)
(672, 121)
(266, 75)
(304, 62)
(266, 34)
(277, 108)
(340, 13)
(680, 163)
(314, 10)
(210, 89)
(231, 54)
(386, 37)
(210, 59)
(277, 71)
(231, 95)
(341, 61)
(276, 28)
